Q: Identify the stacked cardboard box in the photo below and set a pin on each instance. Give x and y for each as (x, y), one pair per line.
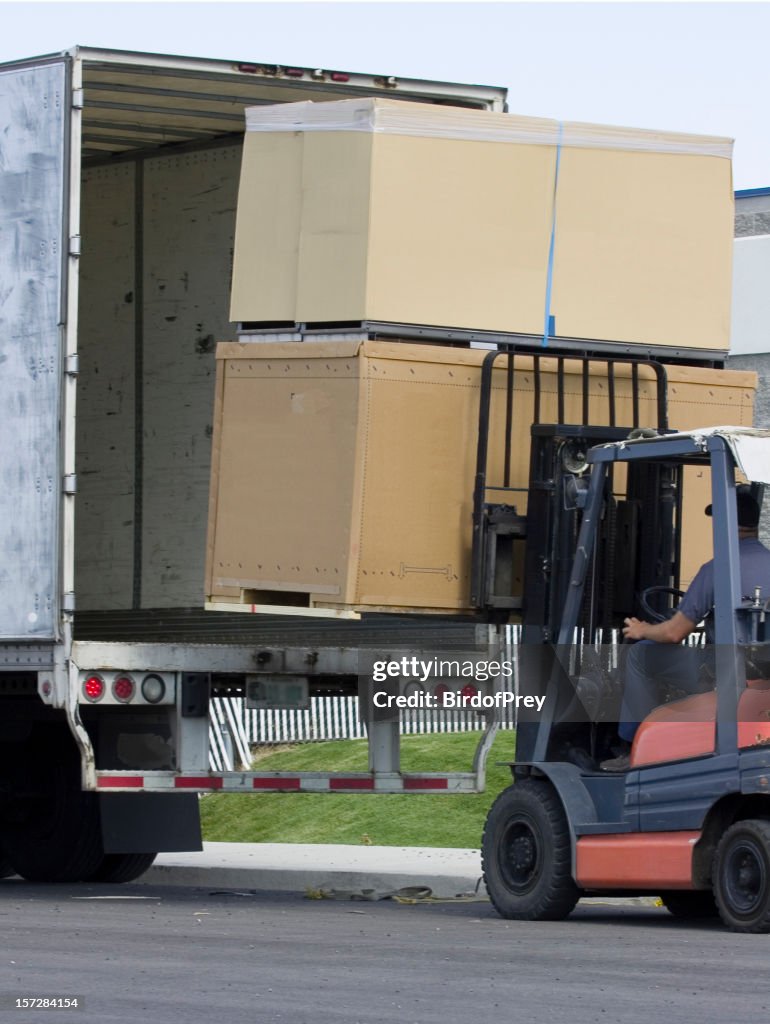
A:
(406, 213)
(343, 473)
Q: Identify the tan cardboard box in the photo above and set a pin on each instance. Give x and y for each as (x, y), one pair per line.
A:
(343, 472)
(372, 209)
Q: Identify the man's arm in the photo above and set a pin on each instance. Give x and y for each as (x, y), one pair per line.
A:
(672, 631)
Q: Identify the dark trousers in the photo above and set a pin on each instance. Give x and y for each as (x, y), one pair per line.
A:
(649, 664)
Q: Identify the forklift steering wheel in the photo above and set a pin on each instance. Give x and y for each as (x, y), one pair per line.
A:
(649, 611)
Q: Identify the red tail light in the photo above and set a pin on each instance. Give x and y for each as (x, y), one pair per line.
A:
(93, 688)
(468, 691)
(123, 689)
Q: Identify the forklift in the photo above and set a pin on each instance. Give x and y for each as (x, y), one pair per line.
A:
(690, 820)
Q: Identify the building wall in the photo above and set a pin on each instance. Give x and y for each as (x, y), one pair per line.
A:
(752, 220)
(752, 214)
(760, 364)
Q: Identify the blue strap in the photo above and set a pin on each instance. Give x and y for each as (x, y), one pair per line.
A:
(549, 327)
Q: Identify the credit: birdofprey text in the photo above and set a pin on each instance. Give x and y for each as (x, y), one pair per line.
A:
(456, 699)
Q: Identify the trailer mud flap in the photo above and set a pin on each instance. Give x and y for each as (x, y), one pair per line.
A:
(150, 822)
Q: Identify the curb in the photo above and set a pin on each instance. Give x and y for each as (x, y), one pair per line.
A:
(274, 867)
(364, 872)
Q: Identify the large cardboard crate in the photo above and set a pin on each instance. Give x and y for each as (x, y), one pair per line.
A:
(343, 473)
(379, 210)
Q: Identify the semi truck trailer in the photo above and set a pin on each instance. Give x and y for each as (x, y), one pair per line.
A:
(119, 177)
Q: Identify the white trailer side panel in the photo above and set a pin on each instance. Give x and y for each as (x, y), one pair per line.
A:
(34, 105)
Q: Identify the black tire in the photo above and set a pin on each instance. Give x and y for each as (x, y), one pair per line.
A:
(51, 832)
(526, 854)
(690, 905)
(6, 871)
(741, 876)
(122, 867)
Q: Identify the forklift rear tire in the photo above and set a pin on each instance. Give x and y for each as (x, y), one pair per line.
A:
(527, 856)
(686, 904)
(742, 876)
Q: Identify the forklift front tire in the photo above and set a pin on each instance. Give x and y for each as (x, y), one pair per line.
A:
(742, 876)
(527, 856)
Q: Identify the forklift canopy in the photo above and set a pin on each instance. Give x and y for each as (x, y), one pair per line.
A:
(750, 448)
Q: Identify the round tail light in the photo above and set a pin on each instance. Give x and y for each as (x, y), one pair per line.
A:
(123, 689)
(153, 689)
(467, 692)
(93, 688)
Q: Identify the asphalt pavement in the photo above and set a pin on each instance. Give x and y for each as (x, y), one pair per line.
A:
(186, 955)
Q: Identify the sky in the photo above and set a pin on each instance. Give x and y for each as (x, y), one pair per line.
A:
(692, 67)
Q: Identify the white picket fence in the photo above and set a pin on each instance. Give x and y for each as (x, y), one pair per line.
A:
(234, 728)
(336, 718)
(228, 741)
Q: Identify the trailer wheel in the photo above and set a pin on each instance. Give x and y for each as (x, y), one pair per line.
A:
(122, 867)
(742, 876)
(526, 854)
(51, 830)
(686, 904)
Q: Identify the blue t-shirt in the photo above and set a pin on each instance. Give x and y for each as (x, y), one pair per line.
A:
(698, 602)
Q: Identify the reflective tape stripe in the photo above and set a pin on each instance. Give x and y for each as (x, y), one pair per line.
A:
(426, 783)
(351, 784)
(120, 782)
(549, 326)
(268, 783)
(199, 782)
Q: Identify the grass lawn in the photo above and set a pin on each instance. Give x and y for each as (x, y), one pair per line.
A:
(380, 819)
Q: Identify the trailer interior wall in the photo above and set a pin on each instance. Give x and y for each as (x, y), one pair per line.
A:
(161, 141)
(157, 238)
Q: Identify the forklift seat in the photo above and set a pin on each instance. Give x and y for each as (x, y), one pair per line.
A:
(685, 728)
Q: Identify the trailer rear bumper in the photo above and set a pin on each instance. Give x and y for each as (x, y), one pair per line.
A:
(283, 782)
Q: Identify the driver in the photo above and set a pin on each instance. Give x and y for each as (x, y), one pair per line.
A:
(654, 660)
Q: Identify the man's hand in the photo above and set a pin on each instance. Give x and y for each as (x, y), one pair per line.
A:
(672, 631)
(635, 629)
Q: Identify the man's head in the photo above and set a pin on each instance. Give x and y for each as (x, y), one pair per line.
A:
(748, 510)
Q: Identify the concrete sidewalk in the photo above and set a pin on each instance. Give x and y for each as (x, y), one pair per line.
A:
(298, 868)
